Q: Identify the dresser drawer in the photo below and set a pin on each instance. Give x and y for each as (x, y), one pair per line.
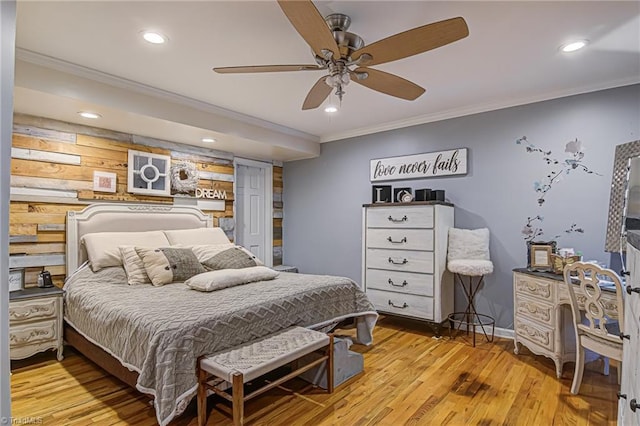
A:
(32, 309)
(534, 309)
(31, 333)
(402, 304)
(400, 260)
(405, 239)
(535, 333)
(403, 282)
(400, 217)
(535, 287)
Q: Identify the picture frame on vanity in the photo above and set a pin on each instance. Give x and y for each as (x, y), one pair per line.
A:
(539, 257)
(16, 279)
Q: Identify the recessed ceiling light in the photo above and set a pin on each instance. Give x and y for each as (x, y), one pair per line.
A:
(208, 140)
(88, 114)
(573, 46)
(331, 109)
(153, 37)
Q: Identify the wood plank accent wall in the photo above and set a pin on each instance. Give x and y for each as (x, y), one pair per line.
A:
(52, 169)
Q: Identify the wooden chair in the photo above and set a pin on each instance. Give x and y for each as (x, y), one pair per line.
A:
(598, 326)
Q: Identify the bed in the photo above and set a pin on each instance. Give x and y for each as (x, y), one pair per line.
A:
(151, 336)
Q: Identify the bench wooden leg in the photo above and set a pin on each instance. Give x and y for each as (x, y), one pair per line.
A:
(238, 399)
(202, 396)
(330, 365)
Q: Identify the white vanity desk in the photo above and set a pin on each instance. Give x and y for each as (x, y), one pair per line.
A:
(541, 322)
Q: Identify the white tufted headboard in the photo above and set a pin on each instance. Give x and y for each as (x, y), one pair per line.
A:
(123, 218)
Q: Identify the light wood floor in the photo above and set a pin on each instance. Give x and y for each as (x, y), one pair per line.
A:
(410, 379)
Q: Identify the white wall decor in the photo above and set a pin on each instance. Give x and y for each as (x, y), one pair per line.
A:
(149, 173)
(431, 164)
(104, 181)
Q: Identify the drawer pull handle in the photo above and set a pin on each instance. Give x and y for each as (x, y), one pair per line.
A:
(404, 305)
(403, 240)
(632, 289)
(403, 219)
(621, 395)
(633, 404)
(398, 263)
(404, 283)
(624, 336)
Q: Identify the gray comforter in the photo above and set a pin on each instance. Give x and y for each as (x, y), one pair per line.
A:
(161, 331)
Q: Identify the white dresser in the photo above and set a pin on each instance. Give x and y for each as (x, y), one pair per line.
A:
(35, 321)
(629, 401)
(404, 268)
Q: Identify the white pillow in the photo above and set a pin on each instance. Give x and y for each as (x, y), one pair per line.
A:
(103, 247)
(223, 278)
(133, 266)
(197, 236)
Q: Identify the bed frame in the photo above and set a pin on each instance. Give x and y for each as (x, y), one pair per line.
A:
(120, 218)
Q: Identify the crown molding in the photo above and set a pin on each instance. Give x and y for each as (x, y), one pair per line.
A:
(123, 83)
(476, 109)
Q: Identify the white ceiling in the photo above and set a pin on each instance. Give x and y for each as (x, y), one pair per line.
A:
(76, 55)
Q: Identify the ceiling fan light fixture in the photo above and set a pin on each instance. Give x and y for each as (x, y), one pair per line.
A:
(154, 37)
(331, 109)
(574, 45)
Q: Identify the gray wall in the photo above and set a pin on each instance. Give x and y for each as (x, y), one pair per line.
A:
(323, 197)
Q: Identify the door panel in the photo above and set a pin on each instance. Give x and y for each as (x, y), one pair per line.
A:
(250, 188)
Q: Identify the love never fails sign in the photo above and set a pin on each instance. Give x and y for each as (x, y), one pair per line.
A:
(431, 164)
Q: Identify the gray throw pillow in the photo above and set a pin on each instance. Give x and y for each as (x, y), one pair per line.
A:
(169, 264)
(233, 258)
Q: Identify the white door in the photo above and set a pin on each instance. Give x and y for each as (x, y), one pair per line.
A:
(254, 208)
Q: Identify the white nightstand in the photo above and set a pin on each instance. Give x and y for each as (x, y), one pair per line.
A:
(35, 321)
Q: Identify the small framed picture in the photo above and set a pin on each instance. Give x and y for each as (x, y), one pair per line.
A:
(104, 181)
(16, 279)
(539, 256)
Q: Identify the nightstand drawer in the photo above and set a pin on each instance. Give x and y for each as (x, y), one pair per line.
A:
(32, 309)
(400, 217)
(29, 334)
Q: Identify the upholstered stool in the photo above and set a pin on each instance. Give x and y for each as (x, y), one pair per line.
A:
(244, 363)
(468, 256)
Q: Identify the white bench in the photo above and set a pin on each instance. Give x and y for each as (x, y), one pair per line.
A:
(244, 363)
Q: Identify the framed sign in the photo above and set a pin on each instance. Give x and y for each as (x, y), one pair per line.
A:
(16, 279)
(420, 166)
(104, 181)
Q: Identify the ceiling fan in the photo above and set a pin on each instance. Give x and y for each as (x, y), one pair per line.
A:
(346, 57)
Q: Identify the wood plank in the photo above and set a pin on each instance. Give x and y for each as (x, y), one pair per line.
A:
(38, 248)
(52, 237)
(35, 218)
(214, 168)
(36, 260)
(91, 195)
(22, 239)
(174, 146)
(51, 227)
(37, 192)
(73, 128)
(116, 145)
(209, 157)
(104, 164)
(277, 223)
(51, 157)
(44, 133)
(18, 207)
(21, 141)
(215, 176)
(21, 228)
(53, 208)
(46, 170)
(50, 183)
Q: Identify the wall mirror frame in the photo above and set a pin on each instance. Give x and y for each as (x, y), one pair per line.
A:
(624, 153)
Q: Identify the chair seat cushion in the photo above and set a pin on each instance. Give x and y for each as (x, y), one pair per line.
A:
(470, 267)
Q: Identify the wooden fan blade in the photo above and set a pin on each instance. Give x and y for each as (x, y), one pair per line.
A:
(389, 84)
(412, 42)
(306, 19)
(266, 68)
(317, 94)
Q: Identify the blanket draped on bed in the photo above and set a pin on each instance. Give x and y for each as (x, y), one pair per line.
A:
(161, 331)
